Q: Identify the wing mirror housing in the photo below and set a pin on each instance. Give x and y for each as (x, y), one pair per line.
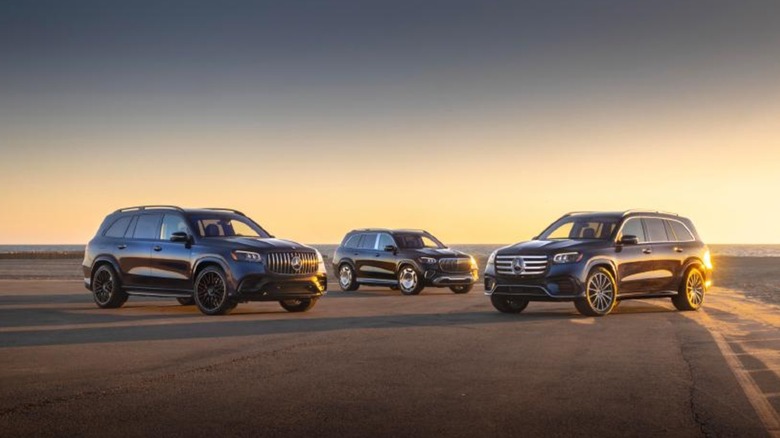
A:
(629, 239)
(391, 248)
(180, 236)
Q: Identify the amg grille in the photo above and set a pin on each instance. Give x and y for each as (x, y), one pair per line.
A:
(292, 262)
(460, 264)
(532, 265)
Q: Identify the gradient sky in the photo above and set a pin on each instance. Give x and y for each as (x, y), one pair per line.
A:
(478, 121)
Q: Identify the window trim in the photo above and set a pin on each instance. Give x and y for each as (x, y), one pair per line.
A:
(620, 230)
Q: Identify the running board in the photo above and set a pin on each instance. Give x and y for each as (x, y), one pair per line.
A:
(643, 296)
(377, 281)
(159, 294)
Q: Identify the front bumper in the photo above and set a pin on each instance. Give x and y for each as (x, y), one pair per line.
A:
(543, 288)
(272, 287)
(437, 278)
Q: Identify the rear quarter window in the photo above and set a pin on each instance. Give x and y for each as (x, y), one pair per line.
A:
(352, 241)
(118, 228)
(683, 235)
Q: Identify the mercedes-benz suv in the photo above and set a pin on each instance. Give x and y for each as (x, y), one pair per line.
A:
(597, 259)
(408, 260)
(213, 258)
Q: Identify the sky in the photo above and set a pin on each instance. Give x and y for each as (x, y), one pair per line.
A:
(481, 122)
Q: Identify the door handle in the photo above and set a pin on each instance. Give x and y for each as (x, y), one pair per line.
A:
(678, 249)
(647, 251)
(157, 248)
(122, 246)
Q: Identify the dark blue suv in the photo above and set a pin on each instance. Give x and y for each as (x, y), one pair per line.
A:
(214, 258)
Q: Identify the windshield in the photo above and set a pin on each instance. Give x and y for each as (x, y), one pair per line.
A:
(227, 226)
(580, 228)
(417, 241)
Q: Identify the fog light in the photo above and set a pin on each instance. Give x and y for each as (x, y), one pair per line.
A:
(430, 273)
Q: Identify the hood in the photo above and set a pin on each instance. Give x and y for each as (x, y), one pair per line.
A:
(262, 244)
(440, 252)
(549, 246)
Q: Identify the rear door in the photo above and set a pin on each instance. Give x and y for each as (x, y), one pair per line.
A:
(663, 263)
(685, 245)
(171, 263)
(138, 254)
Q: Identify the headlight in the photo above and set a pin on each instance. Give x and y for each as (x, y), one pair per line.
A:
(707, 260)
(247, 256)
(492, 258)
(567, 257)
(427, 260)
(473, 263)
(320, 262)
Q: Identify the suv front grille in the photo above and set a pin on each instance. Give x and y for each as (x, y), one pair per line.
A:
(287, 262)
(532, 265)
(460, 264)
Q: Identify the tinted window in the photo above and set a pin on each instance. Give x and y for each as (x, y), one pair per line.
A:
(172, 223)
(633, 227)
(580, 227)
(385, 240)
(367, 241)
(227, 226)
(353, 240)
(131, 228)
(118, 228)
(656, 232)
(681, 231)
(147, 226)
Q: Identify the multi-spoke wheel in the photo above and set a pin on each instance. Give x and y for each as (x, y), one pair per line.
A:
(106, 289)
(298, 305)
(466, 288)
(211, 292)
(690, 295)
(600, 294)
(508, 303)
(409, 281)
(347, 280)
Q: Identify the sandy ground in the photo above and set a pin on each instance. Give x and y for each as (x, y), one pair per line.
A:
(374, 363)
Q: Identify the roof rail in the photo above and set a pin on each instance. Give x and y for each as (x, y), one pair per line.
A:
(577, 212)
(643, 210)
(149, 207)
(225, 209)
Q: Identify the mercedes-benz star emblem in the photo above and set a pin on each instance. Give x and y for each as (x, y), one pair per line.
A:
(518, 265)
(296, 263)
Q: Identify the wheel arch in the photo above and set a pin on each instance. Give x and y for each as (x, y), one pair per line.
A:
(105, 260)
(608, 264)
(411, 262)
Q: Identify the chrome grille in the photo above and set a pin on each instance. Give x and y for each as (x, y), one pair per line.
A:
(460, 264)
(282, 262)
(532, 265)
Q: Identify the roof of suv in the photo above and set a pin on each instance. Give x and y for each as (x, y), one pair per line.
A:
(173, 207)
(387, 230)
(633, 212)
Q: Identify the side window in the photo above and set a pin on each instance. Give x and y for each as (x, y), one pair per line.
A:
(633, 227)
(353, 240)
(172, 223)
(385, 240)
(682, 232)
(368, 241)
(148, 227)
(656, 232)
(131, 228)
(118, 228)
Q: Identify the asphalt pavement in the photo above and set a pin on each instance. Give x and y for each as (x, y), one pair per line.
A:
(375, 363)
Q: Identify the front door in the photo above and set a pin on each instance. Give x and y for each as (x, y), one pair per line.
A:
(634, 267)
(171, 266)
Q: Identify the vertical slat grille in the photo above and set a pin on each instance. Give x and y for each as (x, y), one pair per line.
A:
(459, 264)
(287, 262)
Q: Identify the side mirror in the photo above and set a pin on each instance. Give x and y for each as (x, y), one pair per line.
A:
(391, 248)
(629, 239)
(180, 236)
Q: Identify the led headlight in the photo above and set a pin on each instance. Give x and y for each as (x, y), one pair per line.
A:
(320, 262)
(246, 256)
(473, 263)
(567, 257)
(427, 260)
(492, 259)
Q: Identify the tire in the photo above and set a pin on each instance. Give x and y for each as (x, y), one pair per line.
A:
(301, 305)
(212, 292)
(508, 303)
(347, 279)
(107, 291)
(189, 301)
(600, 294)
(409, 281)
(462, 289)
(690, 295)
